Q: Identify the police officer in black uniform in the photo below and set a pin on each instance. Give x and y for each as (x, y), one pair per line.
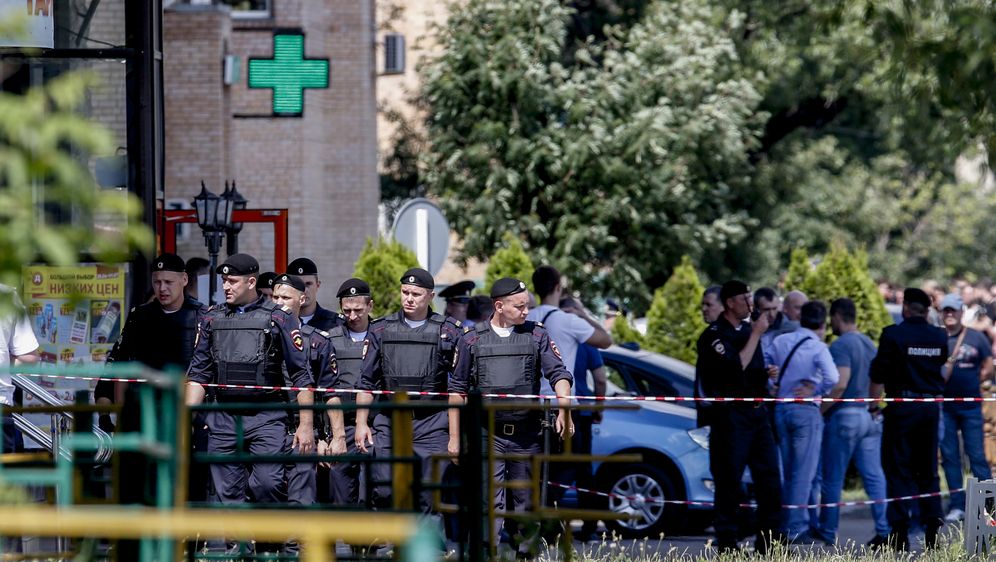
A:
(507, 355)
(159, 334)
(312, 313)
(730, 364)
(288, 292)
(264, 285)
(355, 305)
(246, 341)
(411, 350)
(909, 364)
(457, 297)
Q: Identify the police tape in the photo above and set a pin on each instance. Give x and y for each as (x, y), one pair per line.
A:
(645, 500)
(715, 400)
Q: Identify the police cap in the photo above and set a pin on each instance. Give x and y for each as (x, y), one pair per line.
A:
(239, 264)
(266, 280)
(418, 277)
(168, 262)
(458, 291)
(302, 266)
(913, 295)
(288, 279)
(506, 287)
(732, 289)
(353, 287)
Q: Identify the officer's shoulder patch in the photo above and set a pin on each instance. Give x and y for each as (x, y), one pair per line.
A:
(555, 349)
(297, 339)
(718, 347)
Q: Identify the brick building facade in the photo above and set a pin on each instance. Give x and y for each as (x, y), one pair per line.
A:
(321, 166)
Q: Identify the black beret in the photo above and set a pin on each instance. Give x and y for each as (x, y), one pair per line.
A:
(459, 290)
(418, 277)
(302, 266)
(168, 262)
(287, 279)
(732, 289)
(266, 280)
(506, 287)
(239, 264)
(353, 288)
(916, 296)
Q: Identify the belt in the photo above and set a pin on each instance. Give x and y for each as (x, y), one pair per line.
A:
(911, 394)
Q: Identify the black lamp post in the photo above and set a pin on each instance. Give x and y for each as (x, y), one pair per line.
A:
(214, 216)
(232, 231)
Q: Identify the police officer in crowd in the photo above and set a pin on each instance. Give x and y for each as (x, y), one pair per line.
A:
(457, 298)
(410, 350)
(247, 341)
(264, 285)
(909, 365)
(288, 292)
(508, 354)
(312, 313)
(355, 305)
(730, 364)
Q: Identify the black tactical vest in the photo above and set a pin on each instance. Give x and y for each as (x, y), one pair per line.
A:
(349, 356)
(506, 366)
(243, 350)
(411, 359)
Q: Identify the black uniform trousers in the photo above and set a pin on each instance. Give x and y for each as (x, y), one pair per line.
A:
(344, 477)
(741, 437)
(909, 460)
(523, 440)
(265, 434)
(301, 477)
(430, 434)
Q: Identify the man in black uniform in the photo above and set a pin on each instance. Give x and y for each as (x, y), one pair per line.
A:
(288, 292)
(355, 304)
(244, 342)
(159, 334)
(909, 364)
(411, 350)
(457, 298)
(507, 355)
(730, 364)
(264, 285)
(312, 313)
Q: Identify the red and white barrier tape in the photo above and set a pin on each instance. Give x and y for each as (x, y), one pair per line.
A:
(720, 400)
(786, 506)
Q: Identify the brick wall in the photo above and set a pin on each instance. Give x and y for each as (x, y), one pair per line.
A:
(321, 167)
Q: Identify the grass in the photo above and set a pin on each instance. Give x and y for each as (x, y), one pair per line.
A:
(951, 547)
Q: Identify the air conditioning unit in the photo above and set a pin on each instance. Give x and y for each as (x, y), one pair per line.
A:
(394, 53)
(232, 70)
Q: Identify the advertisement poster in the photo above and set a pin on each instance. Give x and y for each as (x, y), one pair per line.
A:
(73, 331)
(33, 23)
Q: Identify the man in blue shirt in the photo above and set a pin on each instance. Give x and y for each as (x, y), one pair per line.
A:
(968, 365)
(850, 431)
(805, 369)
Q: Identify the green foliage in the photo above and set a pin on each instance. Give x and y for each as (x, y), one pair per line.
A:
(674, 322)
(635, 151)
(381, 264)
(624, 332)
(510, 261)
(845, 274)
(798, 270)
(51, 210)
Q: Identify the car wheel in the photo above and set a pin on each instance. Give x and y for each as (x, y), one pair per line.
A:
(638, 492)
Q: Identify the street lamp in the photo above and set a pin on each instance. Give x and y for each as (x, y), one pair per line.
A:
(232, 232)
(214, 215)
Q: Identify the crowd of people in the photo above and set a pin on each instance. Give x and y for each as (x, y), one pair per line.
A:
(760, 345)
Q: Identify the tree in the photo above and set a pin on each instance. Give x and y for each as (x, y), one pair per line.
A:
(381, 264)
(51, 210)
(635, 151)
(624, 332)
(510, 261)
(674, 322)
(843, 274)
(799, 270)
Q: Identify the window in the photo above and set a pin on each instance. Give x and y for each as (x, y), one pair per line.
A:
(394, 53)
(250, 8)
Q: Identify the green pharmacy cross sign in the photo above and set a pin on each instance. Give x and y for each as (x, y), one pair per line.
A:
(288, 73)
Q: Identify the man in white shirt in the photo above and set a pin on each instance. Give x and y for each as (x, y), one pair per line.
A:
(20, 347)
(568, 331)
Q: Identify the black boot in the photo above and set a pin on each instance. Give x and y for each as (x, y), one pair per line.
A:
(899, 540)
(930, 530)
